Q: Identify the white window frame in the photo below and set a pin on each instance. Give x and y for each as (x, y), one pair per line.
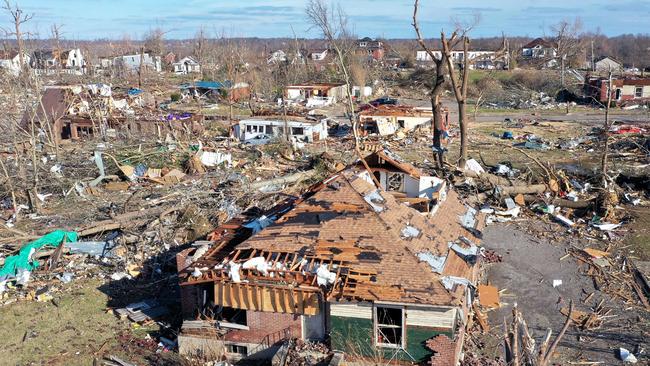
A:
(376, 325)
(638, 94)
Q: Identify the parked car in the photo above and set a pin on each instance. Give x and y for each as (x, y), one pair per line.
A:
(261, 139)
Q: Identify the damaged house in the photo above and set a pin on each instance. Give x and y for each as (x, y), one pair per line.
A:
(316, 94)
(299, 129)
(347, 263)
(625, 90)
(386, 120)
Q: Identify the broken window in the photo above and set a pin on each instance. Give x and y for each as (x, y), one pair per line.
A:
(400, 122)
(297, 131)
(389, 326)
(249, 128)
(269, 130)
(237, 349)
(395, 182)
(234, 316)
(638, 92)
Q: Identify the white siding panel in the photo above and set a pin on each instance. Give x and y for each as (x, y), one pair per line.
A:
(430, 317)
(351, 310)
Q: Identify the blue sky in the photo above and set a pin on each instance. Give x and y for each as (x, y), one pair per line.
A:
(91, 19)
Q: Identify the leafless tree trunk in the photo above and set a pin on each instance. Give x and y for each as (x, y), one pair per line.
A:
(56, 35)
(141, 67)
(459, 87)
(333, 26)
(436, 89)
(606, 127)
(18, 18)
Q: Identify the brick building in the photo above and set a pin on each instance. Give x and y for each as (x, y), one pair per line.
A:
(378, 264)
(625, 90)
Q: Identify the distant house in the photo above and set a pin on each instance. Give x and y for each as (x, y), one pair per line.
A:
(186, 65)
(373, 49)
(539, 48)
(385, 120)
(10, 61)
(217, 90)
(478, 59)
(299, 129)
(49, 61)
(608, 64)
(316, 94)
(625, 90)
(318, 54)
(277, 56)
(131, 62)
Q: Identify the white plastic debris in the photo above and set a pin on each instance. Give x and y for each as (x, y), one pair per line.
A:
(196, 272)
(474, 166)
(564, 220)
(119, 276)
(626, 355)
(259, 264)
(607, 226)
(259, 223)
(211, 159)
(324, 276)
(233, 273)
(410, 232)
(557, 283)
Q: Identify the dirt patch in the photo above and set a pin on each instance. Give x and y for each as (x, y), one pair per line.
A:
(527, 273)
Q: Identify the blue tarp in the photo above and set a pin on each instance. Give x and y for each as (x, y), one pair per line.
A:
(134, 92)
(214, 85)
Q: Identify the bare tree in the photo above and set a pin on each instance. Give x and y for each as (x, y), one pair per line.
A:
(606, 127)
(459, 85)
(19, 18)
(200, 44)
(154, 41)
(56, 36)
(570, 46)
(332, 22)
(437, 87)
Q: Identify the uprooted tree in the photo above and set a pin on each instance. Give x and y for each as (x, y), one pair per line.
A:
(437, 86)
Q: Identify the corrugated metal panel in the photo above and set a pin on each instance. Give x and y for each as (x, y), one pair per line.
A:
(430, 317)
(351, 310)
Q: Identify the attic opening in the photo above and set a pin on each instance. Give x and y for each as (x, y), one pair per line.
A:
(395, 182)
(389, 326)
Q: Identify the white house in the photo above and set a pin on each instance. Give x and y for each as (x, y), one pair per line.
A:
(539, 48)
(10, 61)
(319, 55)
(276, 57)
(186, 65)
(50, 61)
(131, 62)
(73, 59)
(301, 130)
(317, 94)
(385, 120)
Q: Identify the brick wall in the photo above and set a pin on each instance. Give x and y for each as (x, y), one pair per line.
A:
(263, 324)
(445, 350)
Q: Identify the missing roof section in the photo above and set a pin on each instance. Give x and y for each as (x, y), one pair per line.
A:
(375, 200)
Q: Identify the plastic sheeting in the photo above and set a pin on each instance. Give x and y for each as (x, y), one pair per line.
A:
(259, 223)
(375, 200)
(436, 262)
(324, 277)
(210, 158)
(450, 281)
(259, 264)
(23, 260)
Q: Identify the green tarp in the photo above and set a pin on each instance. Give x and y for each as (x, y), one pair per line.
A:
(22, 259)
